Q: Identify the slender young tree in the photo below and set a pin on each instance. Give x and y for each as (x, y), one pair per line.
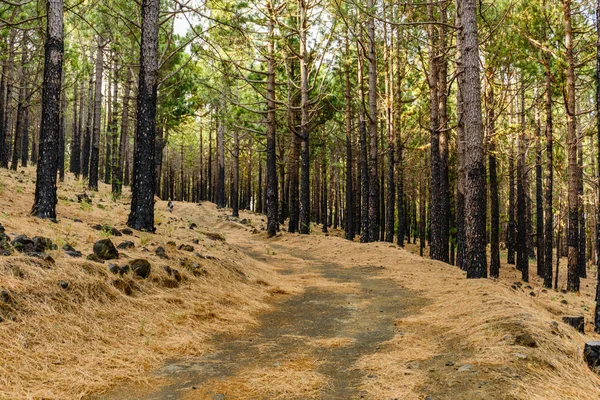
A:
(44, 205)
(549, 212)
(95, 138)
(573, 168)
(271, 195)
(141, 216)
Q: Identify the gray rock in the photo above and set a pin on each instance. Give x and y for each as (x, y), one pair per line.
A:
(23, 244)
(42, 256)
(525, 340)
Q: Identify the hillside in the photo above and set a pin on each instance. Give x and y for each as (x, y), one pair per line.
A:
(250, 317)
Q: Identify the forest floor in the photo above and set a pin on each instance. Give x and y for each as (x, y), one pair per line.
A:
(292, 317)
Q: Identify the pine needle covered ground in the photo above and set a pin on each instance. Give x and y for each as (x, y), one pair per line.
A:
(441, 335)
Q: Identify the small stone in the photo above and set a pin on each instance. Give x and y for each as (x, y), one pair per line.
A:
(532, 294)
(449, 363)
(161, 252)
(186, 247)
(193, 225)
(93, 257)
(42, 256)
(41, 244)
(525, 340)
(219, 397)
(105, 250)
(126, 245)
(127, 231)
(77, 220)
(521, 356)
(466, 367)
(23, 244)
(195, 241)
(140, 267)
(5, 296)
(63, 284)
(73, 253)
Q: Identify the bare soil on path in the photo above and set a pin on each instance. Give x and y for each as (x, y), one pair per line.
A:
(317, 337)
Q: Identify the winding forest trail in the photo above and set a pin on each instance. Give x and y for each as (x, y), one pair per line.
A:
(355, 331)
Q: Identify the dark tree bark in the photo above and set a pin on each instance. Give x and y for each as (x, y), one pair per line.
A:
(549, 223)
(142, 190)
(512, 224)
(75, 160)
(304, 128)
(539, 199)
(597, 309)
(271, 196)
(221, 165)
(61, 137)
(364, 156)
(573, 168)
(324, 196)
(494, 200)
(115, 172)
(373, 231)
(235, 201)
(8, 116)
(87, 139)
(349, 209)
(16, 154)
(95, 138)
(475, 182)
(44, 205)
(522, 220)
(444, 190)
(461, 245)
(118, 175)
(434, 133)
(25, 132)
(581, 204)
(110, 128)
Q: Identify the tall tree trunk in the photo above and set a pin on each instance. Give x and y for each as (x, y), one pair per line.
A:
(16, 154)
(390, 203)
(597, 309)
(364, 152)
(221, 165)
(434, 133)
(75, 159)
(581, 213)
(25, 132)
(549, 223)
(349, 209)
(118, 177)
(304, 128)
(539, 197)
(44, 205)
(475, 185)
(271, 195)
(61, 136)
(373, 232)
(236, 175)
(573, 168)
(109, 131)
(522, 221)
(8, 117)
(115, 172)
(87, 141)
(461, 245)
(494, 201)
(512, 224)
(443, 122)
(142, 190)
(95, 139)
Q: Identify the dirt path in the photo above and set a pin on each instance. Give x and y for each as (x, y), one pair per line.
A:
(306, 347)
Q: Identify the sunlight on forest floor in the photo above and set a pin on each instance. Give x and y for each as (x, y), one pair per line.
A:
(459, 342)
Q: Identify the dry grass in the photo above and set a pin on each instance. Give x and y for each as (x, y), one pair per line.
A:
(67, 343)
(292, 379)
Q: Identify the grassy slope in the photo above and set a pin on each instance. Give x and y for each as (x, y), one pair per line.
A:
(68, 343)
